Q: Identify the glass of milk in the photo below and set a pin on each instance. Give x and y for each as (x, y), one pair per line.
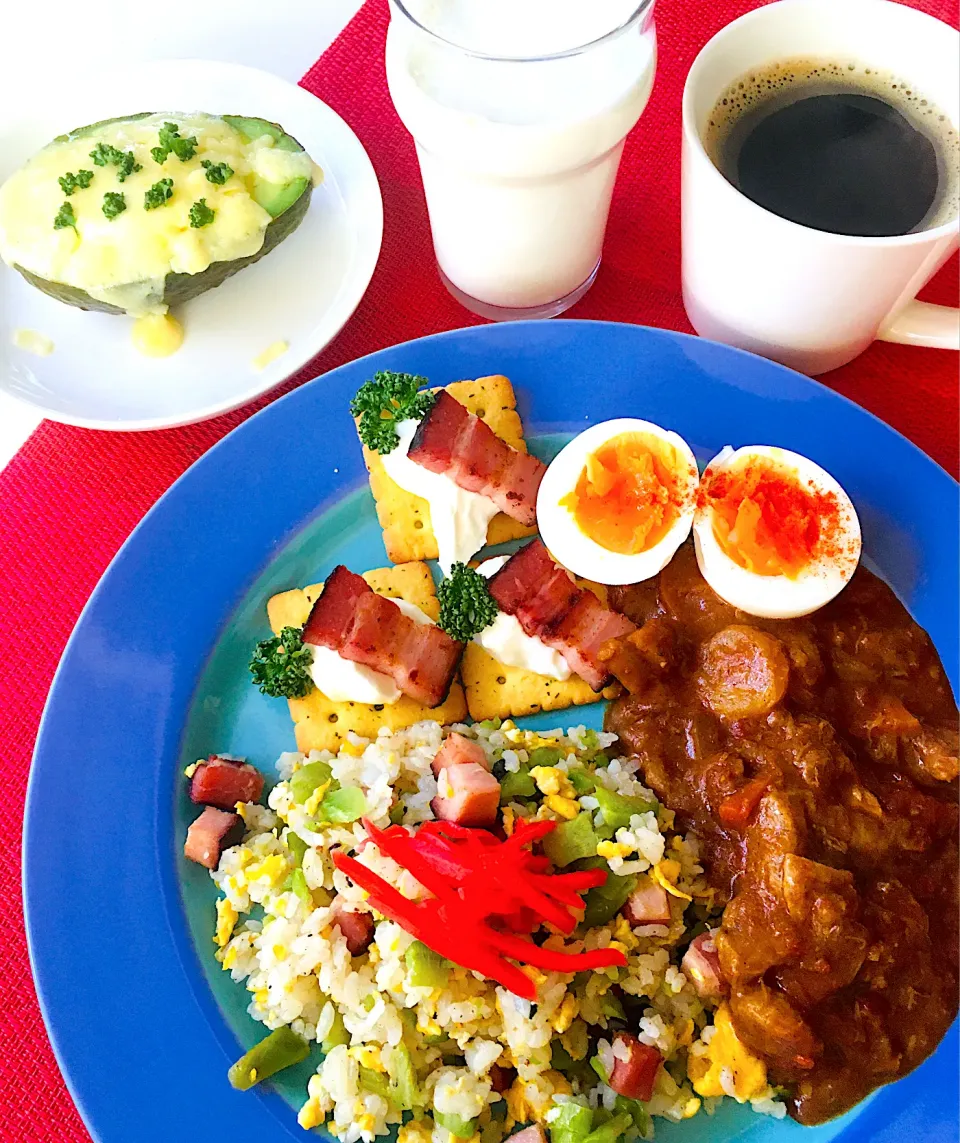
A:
(519, 110)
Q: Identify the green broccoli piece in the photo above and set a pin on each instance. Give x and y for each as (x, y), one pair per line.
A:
(217, 173)
(201, 214)
(70, 182)
(385, 401)
(65, 217)
(281, 666)
(114, 203)
(160, 193)
(466, 605)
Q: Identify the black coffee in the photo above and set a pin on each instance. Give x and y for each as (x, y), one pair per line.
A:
(838, 148)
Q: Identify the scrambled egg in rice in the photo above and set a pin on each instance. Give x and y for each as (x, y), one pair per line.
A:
(447, 1054)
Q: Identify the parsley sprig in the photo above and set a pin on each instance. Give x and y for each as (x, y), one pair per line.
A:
(70, 182)
(114, 203)
(281, 666)
(466, 605)
(65, 217)
(106, 155)
(385, 401)
(217, 173)
(201, 214)
(160, 193)
(171, 140)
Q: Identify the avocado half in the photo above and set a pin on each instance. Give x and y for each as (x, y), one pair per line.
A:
(287, 205)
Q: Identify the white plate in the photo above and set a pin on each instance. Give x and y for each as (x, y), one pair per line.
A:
(301, 293)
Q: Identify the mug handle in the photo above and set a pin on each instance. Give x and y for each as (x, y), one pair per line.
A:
(922, 323)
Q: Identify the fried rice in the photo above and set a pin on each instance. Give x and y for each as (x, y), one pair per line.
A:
(408, 1056)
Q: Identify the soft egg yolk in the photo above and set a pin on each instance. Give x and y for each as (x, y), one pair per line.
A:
(626, 497)
(767, 521)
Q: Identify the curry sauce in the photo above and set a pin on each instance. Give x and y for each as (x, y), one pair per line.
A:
(816, 759)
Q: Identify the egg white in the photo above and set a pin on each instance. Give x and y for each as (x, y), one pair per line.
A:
(572, 547)
(778, 596)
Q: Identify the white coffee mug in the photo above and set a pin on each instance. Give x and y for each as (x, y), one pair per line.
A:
(806, 298)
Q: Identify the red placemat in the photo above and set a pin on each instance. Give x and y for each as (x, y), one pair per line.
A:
(71, 496)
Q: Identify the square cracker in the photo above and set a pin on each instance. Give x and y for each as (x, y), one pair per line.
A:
(405, 518)
(321, 724)
(495, 690)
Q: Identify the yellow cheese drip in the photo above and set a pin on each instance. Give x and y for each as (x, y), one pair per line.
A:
(157, 335)
(269, 355)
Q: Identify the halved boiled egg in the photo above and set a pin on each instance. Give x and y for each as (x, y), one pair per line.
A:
(775, 534)
(618, 500)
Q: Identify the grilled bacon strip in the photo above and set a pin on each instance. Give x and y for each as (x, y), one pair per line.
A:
(364, 627)
(550, 606)
(455, 443)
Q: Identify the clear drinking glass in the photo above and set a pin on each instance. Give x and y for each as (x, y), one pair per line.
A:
(519, 148)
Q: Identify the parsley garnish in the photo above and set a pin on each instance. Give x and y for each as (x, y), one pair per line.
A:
(160, 193)
(466, 605)
(201, 214)
(114, 203)
(104, 155)
(65, 217)
(281, 666)
(217, 173)
(385, 401)
(171, 140)
(71, 182)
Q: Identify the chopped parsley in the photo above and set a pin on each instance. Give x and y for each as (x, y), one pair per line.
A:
(105, 155)
(65, 217)
(385, 401)
(70, 182)
(281, 666)
(217, 173)
(160, 193)
(466, 605)
(171, 140)
(201, 214)
(114, 203)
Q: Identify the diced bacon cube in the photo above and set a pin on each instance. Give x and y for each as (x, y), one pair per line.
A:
(468, 795)
(456, 751)
(532, 1134)
(223, 782)
(501, 1078)
(701, 966)
(647, 905)
(357, 928)
(635, 1067)
(211, 833)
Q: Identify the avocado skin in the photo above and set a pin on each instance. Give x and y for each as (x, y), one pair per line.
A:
(180, 288)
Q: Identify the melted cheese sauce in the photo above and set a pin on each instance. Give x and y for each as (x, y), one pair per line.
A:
(32, 341)
(124, 260)
(342, 680)
(157, 335)
(269, 355)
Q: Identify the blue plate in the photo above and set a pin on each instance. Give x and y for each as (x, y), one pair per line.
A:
(143, 1022)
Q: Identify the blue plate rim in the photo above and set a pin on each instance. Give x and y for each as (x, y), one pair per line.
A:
(228, 441)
